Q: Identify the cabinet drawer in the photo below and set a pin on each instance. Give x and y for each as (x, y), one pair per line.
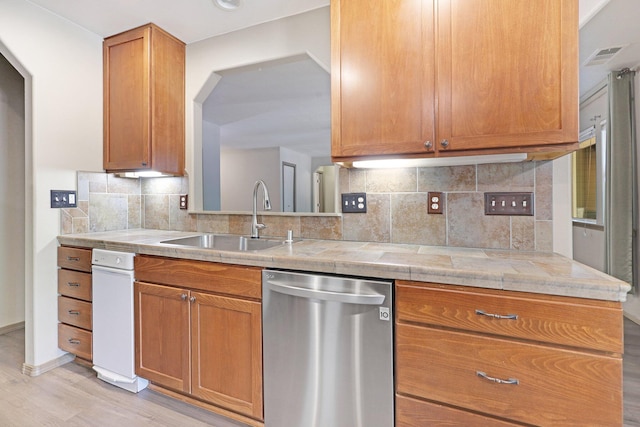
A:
(74, 258)
(74, 284)
(75, 340)
(568, 321)
(555, 386)
(200, 275)
(418, 413)
(74, 312)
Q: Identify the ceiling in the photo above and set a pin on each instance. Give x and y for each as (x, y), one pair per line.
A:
(603, 24)
(614, 24)
(188, 20)
(281, 103)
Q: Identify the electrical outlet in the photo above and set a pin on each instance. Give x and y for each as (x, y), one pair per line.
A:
(435, 202)
(63, 199)
(184, 201)
(354, 202)
(508, 204)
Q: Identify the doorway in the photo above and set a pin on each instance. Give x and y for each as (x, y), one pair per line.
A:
(12, 209)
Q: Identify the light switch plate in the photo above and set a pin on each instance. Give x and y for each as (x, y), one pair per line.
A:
(64, 199)
(510, 203)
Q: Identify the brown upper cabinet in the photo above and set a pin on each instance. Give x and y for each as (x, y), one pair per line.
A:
(144, 73)
(424, 78)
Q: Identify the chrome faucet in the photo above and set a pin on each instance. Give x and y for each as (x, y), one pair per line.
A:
(255, 226)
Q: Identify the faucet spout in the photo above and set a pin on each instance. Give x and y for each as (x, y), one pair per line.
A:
(255, 226)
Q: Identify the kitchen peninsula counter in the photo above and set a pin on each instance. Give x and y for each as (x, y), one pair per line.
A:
(535, 272)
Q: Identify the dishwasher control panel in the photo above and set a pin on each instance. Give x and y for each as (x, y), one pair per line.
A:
(113, 259)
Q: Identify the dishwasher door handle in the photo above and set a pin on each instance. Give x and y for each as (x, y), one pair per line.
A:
(343, 297)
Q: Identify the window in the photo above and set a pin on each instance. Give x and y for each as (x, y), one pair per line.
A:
(588, 175)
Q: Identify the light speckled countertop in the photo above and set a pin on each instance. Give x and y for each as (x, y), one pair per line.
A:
(536, 272)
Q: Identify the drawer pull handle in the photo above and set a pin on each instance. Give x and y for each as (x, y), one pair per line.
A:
(74, 312)
(497, 316)
(73, 284)
(497, 380)
(73, 258)
(74, 341)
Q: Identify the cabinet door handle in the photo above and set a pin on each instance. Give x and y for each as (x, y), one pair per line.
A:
(444, 143)
(192, 299)
(428, 145)
(74, 312)
(73, 258)
(73, 284)
(183, 297)
(497, 380)
(74, 341)
(497, 316)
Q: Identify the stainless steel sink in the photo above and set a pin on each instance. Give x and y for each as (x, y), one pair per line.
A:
(225, 242)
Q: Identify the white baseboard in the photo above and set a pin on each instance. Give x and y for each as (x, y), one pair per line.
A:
(11, 328)
(34, 371)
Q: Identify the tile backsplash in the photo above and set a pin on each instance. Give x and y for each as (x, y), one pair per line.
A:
(396, 208)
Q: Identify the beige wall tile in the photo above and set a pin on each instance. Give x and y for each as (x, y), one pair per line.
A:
(108, 212)
(179, 219)
(134, 202)
(544, 236)
(321, 228)
(156, 211)
(469, 227)
(373, 226)
(277, 226)
(122, 185)
(543, 202)
(357, 180)
(411, 223)
(240, 224)
(392, 180)
(164, 185)
(213, 223)
(523, 236)
(450, 178)
(506, 177)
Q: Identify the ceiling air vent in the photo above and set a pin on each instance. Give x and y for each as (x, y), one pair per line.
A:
(602, 56)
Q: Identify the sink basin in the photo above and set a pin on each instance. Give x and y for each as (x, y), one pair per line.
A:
(225, 242)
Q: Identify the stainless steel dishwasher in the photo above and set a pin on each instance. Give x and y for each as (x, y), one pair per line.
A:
(327, 350)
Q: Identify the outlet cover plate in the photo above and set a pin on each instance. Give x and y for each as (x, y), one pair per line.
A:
(354, 202)
(508, 203)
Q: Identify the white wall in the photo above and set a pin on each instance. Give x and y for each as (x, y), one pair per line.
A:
(304, 33)
(237, 193)
(62, 66)
(12, 138)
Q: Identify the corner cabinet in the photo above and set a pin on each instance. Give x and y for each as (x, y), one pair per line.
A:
(199, 332)
(144, 73)
(474, 357)
(423, 78)
(75, 310)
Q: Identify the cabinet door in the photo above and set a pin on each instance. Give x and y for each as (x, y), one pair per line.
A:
(162, 335)
(227, 353)
(127, 143)
(382, 77)
(507, 74)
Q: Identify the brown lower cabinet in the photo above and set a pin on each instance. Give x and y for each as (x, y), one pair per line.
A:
(474, 357)
(200, 339)
(74, 301)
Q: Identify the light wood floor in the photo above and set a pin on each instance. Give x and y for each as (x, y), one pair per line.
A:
(72, 396)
